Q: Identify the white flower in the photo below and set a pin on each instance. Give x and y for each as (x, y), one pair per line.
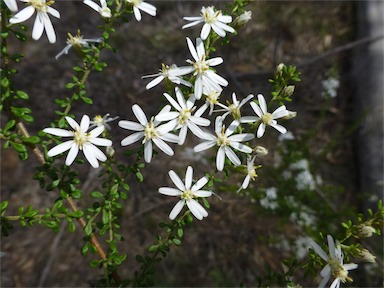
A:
(187, 194)
(234, 108)
(211, 98)
(150, 131)
(11, 4)
(182, 118)
(42, 20)
(103, 9)
(172, 73)
(243, 18)
(265, 117)
(251, 172)
(330, 87)
(102, 121)
(335, 266)
(269, 202)
(82, 140)
(77, 42)
(201, 69)
(143, 6)
(225, 140)
(213, 19)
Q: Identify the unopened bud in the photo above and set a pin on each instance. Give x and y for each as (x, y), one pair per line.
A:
(110, 151)
(243, 18)
(288, 90)
(291, 114)
(367, 256)
(260, 151)
(365, 231)
(280, 67)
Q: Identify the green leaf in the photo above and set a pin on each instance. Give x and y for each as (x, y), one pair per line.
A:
(70, 85)
(96, 194)
(20, 148)
(10, 124)
(105, 218)
(22, 95)
(32, 139)
(180, 232)
(88, 228)
(84, 249)
(87, 100)
(176, 241)
(71, 227)
(76, 214)
(3, 206)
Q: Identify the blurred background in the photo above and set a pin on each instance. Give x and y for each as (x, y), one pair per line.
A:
(332, 163)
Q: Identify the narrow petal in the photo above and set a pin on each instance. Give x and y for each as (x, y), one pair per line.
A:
(182, 135)
(181, 99)
(219, 31)
(132, 138)
(350, 266)
(261, 130)
(215, 61)
(23, 15)
(72, 155)
(200, 48)
(193, 206)
(59, 132)
(163, 146)
(154, 82)
(225, 18)
(169, 191)
(241, 137)
(232, 156)
(148, 150)
(241, 147)
(170, 138)
(216, 78)
(53, 12)
(62, 147)
(198, 87)
(92, 4)
(176, 210)
(192, 49)
(199, 184)
(325, 280)
(129, 125)
(11, 4)
(140, 114)
(246, 182)
(167, 116)
(205, 31)
(196, 130)
(318, 250)
(204, 146)
(172, 101)
(176, 180)
(49, 28)
(137, 13)
(325, 271)
(245, 100)
(98, 153)
(262, 103)
(101, 142)
(220, 159)
(223, 26)
(38, 27)
(280, 112)
(188, 177)
(335, 283)
(96, 132)
(257, 109)
(232, 127)
(192, 23)
(88, 152)
(147, 8)
(279, 128)
(248, 119)
(72, 123)
(203, 193)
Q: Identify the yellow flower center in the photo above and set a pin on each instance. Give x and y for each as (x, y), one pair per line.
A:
(338, 271)
(235, 111)
(222, 140)
(213, 97)
(135, 2)
(149, 131)
(40, 5)
(209, 15)
(98, 119)
(252, 173)
(187, 195)
(200, 66)
(80, 138)
(185, 114)
(267, 118)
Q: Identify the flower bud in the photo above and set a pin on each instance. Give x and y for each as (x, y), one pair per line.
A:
(365, 231)
(243, 18)
(260, 151)
(291, 114)
(288, 90)
(367, 256)
(280, 67)
(110, 151)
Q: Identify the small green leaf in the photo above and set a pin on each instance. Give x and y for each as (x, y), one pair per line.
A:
(76, 214)
(32, 139)
(71, 227)
(180, 232)
(22, 95)
(96, 194)
(3, 206)
(10, 124)
(176, 241)
(88, 228)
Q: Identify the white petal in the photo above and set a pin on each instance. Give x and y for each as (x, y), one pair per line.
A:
(95, 132)
(98, 153)
(350, 266)
(335, 283)
(241, 147)
(23, 15)
(199, 184)
(188, 177)
(192, 49)
(257, 109)
(132, 138)
(38, 27)
(72, 155)
(59, 132)
(219, 31)
(148, 150)
(280, 112)
(245, 100)
(49, 29)
(163, 146)
(176, 180)
(181, 99)
(192, 23)
(172, 101)
(88, 152)
(202, 193)
(92, 4)
(223, 27)
(246, 182)
(248, 119)
(279, 128)
(216, 78)
(101, 142)
(170, 138)
(220, 159)
(200, 48)
(129, 125)
(215, 61)
(72, 123)
(325, 280)
(176, 210)
(154, 82)
(205, 31)
(147, 8)
(140, 114)
(53, 12)
(262, 103)
(225, 18)
(261, 130)
(182, 135)
(196, 209)
(232, 127)
(169, 191)
(241, 137)
(167, 116)
(232, 156)
(198, 87)
(11, 4)
(196, 130)
(204, 146)
(331, 246)
(318, 250)
(136, 11)
(165, 128)
(62, 147)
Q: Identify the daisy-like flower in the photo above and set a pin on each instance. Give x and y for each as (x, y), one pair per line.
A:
(172, 74)
(11, 4)
(77, 42)
(201, 69)
(82, 140)
(251, 172)
(243, 18)
(187, 193)
(182, 118)
(103, 10)
(42, 20)
(99, 120)
(335, 266)
(213, 19)
(143, 6)
(234, 108)
(211, 98)
(150, 132)
(225, 140)
(267, 119)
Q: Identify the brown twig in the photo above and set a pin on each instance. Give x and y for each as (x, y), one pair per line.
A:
(95, 242)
